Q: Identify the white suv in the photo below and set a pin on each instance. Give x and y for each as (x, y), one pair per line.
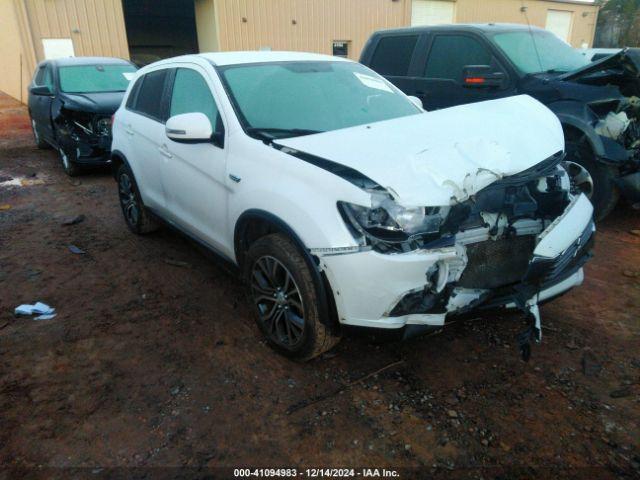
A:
(342, 201)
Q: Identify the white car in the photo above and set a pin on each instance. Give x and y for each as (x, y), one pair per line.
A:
(342, 201)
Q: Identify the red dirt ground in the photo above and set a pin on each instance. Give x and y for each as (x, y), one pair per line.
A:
(153, 366)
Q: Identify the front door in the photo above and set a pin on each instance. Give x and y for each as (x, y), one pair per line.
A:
(442, 77)
(40, 105)
(194, 174)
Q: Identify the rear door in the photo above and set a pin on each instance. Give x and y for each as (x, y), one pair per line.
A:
(441, 71)
(143, 124)
(40, 105)
(392, 58)
(194, 174)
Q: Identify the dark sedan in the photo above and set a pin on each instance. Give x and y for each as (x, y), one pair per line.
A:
(71, 102)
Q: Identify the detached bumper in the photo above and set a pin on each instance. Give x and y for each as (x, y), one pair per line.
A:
(369, 286)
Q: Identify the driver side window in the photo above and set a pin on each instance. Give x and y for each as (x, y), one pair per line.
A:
(451, 53)
(191, 93)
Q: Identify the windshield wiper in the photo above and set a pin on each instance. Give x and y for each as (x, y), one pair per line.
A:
(269, 134)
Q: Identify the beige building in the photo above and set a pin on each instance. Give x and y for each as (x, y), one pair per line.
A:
(146, 30)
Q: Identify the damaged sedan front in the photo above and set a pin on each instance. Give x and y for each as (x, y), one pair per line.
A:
(454, 222)
(71, 102)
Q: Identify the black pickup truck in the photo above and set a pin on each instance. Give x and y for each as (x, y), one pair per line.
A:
(596, 102)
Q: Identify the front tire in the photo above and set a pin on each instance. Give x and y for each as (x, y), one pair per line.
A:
(70, 167)
(135, 213)
(595, 179)
(40, 143)
(285, 299)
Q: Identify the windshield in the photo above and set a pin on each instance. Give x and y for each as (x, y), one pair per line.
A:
(539, 51)
(300, 98)
(95, 78)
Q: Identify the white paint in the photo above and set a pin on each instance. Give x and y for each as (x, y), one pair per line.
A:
(189, 126)
(443, 157)
(57, 48)
(426, 159)
(432, 12)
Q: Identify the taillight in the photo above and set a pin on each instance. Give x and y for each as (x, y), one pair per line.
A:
(113, 119)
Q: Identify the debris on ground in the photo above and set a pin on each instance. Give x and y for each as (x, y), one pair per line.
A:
(590, 365)
(42, 310)
(177, 263)
(621, 393)
(27, 182)
(5, 206)
(73, 220)
(76, 250)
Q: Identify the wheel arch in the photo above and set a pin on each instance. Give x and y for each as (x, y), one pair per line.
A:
(254, 224)
(118, 158)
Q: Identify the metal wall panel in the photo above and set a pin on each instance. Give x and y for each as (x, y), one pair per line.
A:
(305, 25)
(96, 27)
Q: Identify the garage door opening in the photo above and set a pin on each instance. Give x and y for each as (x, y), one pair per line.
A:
(159, 29)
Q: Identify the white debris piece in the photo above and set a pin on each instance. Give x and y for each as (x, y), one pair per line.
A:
(44, 311)
(613, 125)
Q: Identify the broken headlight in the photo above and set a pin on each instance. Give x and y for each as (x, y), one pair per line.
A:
(388, 221)
(103, 126)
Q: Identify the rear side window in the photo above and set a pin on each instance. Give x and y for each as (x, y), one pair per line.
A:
(192, 94)
(451, 53)
(393, 55)
(148, 101)
(134, 93)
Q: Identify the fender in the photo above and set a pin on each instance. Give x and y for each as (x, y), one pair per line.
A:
(579, 116)
(327, 317)
(116, 156)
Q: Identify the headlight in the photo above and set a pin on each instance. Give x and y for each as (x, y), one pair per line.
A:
(388, 221)
(103, 126)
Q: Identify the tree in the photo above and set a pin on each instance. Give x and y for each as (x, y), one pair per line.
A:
(621, 19)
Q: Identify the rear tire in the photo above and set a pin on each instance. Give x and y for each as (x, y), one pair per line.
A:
(595, 179)
(135, 213)
(285, 299)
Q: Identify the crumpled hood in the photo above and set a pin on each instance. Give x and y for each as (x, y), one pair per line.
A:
(627, 59)
(105, 102)
(443, 157)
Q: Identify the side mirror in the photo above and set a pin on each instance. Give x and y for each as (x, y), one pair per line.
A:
(41, 90)
(416, 101)
(189, 128)
(482, 76)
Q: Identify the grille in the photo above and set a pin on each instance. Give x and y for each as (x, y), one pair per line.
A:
(494, 264)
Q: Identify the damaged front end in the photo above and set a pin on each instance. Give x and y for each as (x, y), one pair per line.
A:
(84, 136)
(610, 87)
(510, 245)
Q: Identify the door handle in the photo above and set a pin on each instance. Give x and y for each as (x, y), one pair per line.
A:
(128, 130)
(163, 151)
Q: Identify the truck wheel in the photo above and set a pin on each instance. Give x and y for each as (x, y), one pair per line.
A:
(40, 143)
(596, 180)
(70, 167)
(134, 211)
(285, 299)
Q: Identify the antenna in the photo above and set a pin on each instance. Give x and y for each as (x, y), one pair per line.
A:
(523, 9)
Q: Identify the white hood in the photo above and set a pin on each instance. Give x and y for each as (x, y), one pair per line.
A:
(445, 156)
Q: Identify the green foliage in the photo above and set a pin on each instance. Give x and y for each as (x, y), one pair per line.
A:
(625, 13)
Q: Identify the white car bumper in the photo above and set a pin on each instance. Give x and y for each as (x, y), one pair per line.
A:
(368, 285)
